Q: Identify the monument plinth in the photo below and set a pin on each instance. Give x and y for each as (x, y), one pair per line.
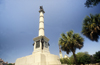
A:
(41, 54)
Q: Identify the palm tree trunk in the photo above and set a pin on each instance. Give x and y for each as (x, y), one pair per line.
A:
(91, 35)
(75, 57)
(98, 28)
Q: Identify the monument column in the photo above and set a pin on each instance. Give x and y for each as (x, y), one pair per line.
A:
(41, 22)
(41, 42)
(41, 54)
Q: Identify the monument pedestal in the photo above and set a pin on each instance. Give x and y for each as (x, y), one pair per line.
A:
(38, 58)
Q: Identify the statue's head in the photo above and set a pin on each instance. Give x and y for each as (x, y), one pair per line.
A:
(41, 7)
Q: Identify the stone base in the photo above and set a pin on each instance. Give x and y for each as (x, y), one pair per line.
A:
(38, 58)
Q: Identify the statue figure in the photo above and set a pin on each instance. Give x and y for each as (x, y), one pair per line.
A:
(41, 7)
(42, 41)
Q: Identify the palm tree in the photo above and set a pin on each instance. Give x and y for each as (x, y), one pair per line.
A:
(91, 3)
(91, 27)
(70, 42)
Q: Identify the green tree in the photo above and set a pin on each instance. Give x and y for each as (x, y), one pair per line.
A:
(64, 61)
(61, 60)
(91, 3)
(72, 59)
(96, 56)
(71, 42)
(92, 59)
(82, 58)
(85, 59)
(11, 64)
(91, 27)
(80, 54)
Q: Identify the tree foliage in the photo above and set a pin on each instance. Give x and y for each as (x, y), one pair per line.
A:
(82, 58)
(72, 59)
(91, 3)
(96, 57)
(71, 42)
(11, 64)
(85, 59)
(64, 61)
(80, 54)
(91, 27)
(67, 61)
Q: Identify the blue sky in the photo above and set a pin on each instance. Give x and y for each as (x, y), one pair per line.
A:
(19, 24)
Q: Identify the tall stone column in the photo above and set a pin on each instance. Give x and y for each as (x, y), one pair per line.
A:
(41, 22)
(41, 54)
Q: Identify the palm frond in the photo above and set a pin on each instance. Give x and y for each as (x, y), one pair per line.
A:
(91, 27)
(71, 41)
